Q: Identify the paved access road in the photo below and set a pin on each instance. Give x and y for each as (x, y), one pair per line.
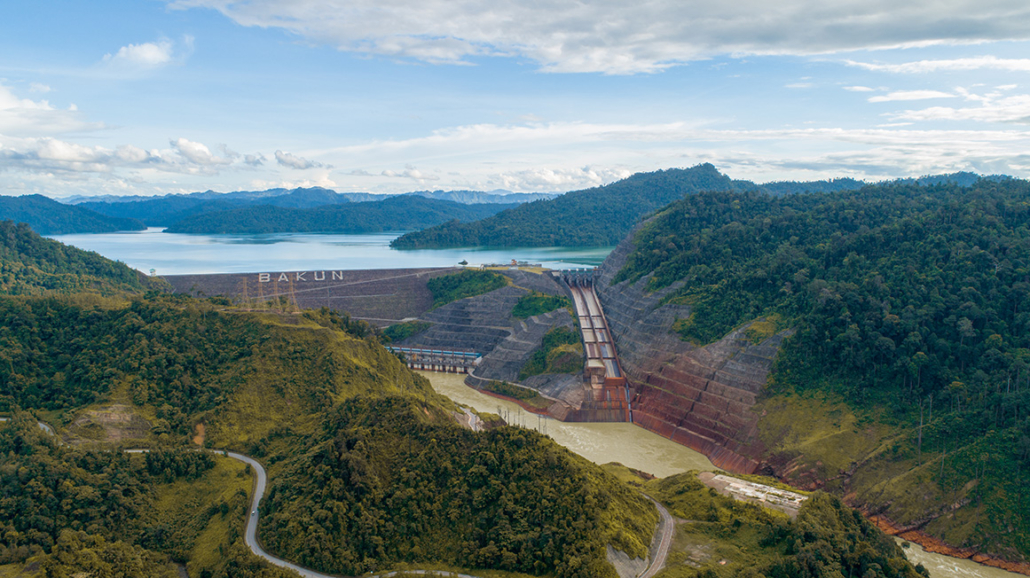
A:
(666, 527)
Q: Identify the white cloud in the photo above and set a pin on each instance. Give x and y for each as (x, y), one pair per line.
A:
(911, 95)
(254, 160)
(557, 179)
(617, 37)
(974, 63)
(295, 162)
(149, 55)
(39, 87)
(411, 172)
(146, 55)
(197, 153)
(859, 89)
(1011, 109)
(26, 117)
(799, 85)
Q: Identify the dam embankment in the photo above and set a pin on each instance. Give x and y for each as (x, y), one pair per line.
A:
(380, 296)
(700, 397)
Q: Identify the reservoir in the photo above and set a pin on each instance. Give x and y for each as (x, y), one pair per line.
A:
(643, 450)
(176, 254)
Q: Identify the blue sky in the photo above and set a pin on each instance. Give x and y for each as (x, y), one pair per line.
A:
(155, 96)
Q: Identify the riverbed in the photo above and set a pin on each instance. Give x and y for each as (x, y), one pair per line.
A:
(649, 452)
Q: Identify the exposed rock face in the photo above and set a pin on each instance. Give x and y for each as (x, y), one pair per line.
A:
(700, 397)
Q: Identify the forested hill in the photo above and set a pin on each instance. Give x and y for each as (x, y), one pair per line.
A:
(909, 303)
(602, 216)
(391, 214)
(31, 265)
(48, 217)
(594, 217)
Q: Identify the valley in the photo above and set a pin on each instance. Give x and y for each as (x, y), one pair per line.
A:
(706, 303)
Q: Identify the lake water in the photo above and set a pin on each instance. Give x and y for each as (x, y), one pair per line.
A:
(646, 451)
(175, 254)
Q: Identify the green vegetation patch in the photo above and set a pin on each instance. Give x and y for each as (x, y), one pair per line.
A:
(33, 265)
(722, 537)
(390, 481)
(467, 283)
(560, 352)
(536, 303)
(518, 392)
(401, 331)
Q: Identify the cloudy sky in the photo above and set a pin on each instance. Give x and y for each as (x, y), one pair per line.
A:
(167, 96)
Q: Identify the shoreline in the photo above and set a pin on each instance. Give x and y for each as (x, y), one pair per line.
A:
(938, 546)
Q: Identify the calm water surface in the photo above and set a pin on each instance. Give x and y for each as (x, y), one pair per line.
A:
(175, 254)
(640, 449)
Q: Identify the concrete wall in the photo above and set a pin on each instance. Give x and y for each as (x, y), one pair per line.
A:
(381, 296)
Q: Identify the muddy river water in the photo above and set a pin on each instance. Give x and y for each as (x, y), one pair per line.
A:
(640, 449)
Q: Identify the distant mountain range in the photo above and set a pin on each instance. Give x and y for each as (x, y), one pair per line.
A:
(391, 214)
(48, 217)
(594, 217)
(167, 210)
(602, 216)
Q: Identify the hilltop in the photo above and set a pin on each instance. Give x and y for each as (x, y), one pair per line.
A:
(32, 265)
(49, 217)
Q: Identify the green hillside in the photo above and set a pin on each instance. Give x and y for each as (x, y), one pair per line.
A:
(48, 217)
(32, 265)
(594, 217)
(910, 305)
(392, 214)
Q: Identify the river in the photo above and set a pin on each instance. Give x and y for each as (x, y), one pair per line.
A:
(640, 449)
(175, 254)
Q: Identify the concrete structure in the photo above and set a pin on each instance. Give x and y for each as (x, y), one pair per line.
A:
(437, 359)
(609, 396)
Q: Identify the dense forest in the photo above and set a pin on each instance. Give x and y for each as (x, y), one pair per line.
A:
(602, 216)
(49, 217)
(391, 214)
(593, 217)
(910, 303)
(387, 483)
(32, 265)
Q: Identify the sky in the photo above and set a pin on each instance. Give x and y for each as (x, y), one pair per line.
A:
(146, 97)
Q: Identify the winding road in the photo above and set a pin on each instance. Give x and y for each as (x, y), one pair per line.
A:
(665, 526)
